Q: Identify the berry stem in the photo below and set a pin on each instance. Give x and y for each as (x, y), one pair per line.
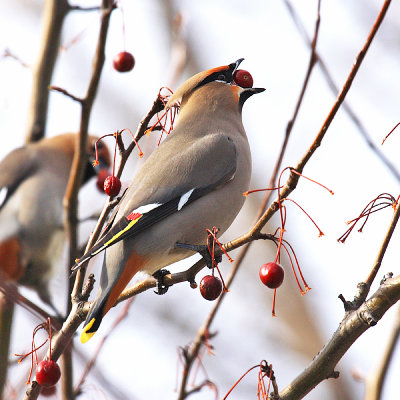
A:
(390, 132)
(308, 215)
(273, 304)
(238, 381)
(49, 324)
(307, 288)
(311, 180)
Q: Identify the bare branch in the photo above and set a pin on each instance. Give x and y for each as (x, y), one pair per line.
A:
(54, 15)
(353, 325)
(66, 93)
(71, 195)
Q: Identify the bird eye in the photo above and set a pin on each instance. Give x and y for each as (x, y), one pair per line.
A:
(221, 77)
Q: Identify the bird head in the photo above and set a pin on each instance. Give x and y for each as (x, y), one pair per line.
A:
(218, 78)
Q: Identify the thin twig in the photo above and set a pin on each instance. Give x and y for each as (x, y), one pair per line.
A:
(378, 261)
(375, 380)
(140, 132)
(66, 93)
(10, 291)
(335, 90)
(9, 54)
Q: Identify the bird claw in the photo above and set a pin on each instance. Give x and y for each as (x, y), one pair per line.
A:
(203, 251)
(162, 288)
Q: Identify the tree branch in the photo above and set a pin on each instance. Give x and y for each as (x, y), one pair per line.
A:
(54, 15)
(78, 165)
(353, 325)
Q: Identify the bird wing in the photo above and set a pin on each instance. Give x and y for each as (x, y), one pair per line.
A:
(15, 168)
(175, 175)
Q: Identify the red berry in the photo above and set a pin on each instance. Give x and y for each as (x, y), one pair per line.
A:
(243, 78)
(47, 373)
(124, 61)
(101, 177)
(210, 287)
(271, 275)
(112, 186)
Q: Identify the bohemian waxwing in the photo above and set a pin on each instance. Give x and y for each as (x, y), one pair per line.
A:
(193, 181)
(33, 180)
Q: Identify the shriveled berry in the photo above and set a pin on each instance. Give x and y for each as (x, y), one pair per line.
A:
(272, 274)
(210, 287)
(243, 78)
(124, 61)
(112, 185)
(47, 373)
(101, 177)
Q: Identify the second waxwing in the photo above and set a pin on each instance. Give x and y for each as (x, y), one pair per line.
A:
(193, 181)
(33, 180)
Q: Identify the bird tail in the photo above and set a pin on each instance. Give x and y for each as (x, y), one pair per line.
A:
(93, 319)
(109, 294)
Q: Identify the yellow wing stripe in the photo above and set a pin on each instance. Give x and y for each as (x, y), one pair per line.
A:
(129, 226)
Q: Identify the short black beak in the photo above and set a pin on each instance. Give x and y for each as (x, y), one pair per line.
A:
(237, 63)
(254, 90)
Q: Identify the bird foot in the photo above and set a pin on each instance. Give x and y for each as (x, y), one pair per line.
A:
(203, 251)
(162, 288)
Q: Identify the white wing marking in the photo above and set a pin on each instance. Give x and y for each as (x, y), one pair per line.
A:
(184, 199)
(146, 208)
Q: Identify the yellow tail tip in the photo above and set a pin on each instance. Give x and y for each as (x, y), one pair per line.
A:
(85, 335)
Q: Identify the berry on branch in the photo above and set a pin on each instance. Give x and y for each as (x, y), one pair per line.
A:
(210, 287)
(47, 373)
(124, 61)
(112, 186)
(271, 275)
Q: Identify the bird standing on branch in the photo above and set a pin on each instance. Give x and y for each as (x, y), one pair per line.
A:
(193, 181)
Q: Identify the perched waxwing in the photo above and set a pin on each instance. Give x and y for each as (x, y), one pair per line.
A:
(33, 180)
(193, 181)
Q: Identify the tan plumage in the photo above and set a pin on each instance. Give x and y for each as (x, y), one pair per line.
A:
(33, 180)
(193, 181)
